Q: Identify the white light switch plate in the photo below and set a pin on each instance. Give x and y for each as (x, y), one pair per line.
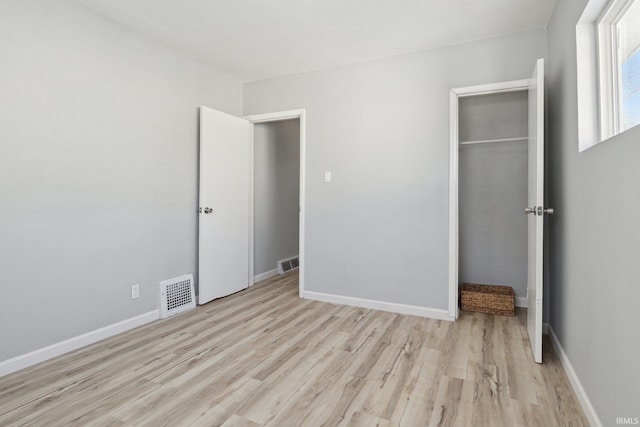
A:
(327, 176)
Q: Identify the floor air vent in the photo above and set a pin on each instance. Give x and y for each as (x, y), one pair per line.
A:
(176, 295)
(286, 265)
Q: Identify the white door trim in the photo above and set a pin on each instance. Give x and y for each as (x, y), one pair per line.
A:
(454, 96)
(275, 117)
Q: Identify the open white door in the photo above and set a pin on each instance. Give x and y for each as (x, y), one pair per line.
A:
(224, 204)
(535, 209)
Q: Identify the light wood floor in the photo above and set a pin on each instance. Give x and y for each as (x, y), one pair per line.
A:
(265, 357)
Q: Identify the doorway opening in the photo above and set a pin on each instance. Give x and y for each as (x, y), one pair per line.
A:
(494, 150)
(492, 191)
(489, 127)
(277, 196)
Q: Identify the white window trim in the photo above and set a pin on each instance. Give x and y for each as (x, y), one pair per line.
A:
(589, 133)
(609, 67)
(596, 122)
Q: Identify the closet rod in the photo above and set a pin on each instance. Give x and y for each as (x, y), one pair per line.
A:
(490, 141)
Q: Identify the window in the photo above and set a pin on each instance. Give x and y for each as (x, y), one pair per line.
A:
(619, 66)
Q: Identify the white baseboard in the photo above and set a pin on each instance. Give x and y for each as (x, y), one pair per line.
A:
(587, 407)
(522, 302)
(266, 275)
(24, 361)
(414, 310)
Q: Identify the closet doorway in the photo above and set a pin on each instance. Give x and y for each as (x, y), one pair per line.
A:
(277, 195)
(492, 191)
(496, 212)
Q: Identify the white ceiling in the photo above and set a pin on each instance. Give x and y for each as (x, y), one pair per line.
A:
(258, 39)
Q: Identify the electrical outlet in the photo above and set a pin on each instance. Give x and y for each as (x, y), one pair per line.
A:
(135, 291)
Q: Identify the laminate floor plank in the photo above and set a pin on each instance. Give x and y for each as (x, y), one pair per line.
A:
(340, 364)
(264, 357)
(70, 371)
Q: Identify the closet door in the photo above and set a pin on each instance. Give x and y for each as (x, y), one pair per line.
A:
(535, 209)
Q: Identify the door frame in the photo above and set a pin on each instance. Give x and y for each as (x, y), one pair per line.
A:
(454, 145)
(267, 118)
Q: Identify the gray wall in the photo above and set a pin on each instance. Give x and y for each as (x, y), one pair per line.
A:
(495, 116)
(379, 230)
(493, 191)
(276, 192)
(98, 169)
(593, 238)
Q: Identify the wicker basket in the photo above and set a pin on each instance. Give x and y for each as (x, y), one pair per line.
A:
(490, 299)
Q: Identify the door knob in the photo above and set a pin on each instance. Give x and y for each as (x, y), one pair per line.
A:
(542, 211)
(208, 210)
(528, 211)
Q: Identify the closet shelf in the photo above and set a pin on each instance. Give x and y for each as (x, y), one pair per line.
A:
(491, 141)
